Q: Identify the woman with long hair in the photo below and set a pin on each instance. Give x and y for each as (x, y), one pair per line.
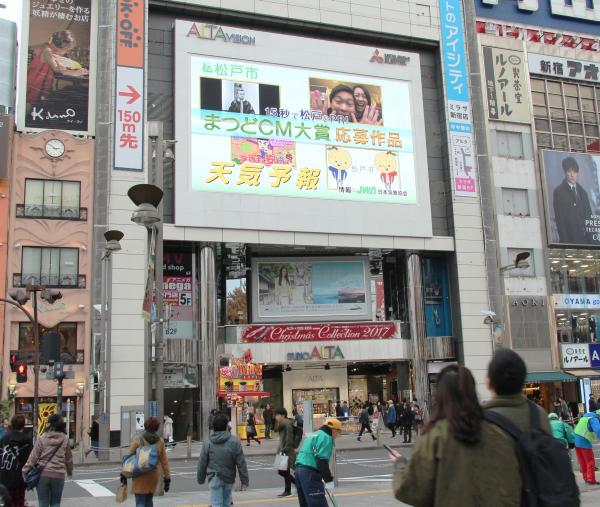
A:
(459, 459)
(283, 287)
(53, 453)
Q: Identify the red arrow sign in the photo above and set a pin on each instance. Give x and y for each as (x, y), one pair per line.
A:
(133, 93)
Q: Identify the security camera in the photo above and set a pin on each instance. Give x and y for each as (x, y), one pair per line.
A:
(489, 313)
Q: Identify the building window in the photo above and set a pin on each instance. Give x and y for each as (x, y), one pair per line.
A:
(55, 267)
(515, 202)
(51, 199)
(510, 144)
(67, 346)
(519, 272)
(567, 115)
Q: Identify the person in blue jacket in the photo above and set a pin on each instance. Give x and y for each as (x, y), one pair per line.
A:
(391, 417)
(586, 431)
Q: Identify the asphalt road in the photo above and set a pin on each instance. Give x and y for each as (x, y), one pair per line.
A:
(353, 467)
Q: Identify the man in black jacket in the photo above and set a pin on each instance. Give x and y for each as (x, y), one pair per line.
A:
(571, 206)
(15, 448)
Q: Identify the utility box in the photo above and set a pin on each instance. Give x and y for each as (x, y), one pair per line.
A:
(132, 422)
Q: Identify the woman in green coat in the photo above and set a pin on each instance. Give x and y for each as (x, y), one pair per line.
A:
(284, 427)
(460, 460)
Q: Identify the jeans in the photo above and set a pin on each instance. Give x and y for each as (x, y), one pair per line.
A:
(311, 491)
(144, 500)
(268, 427)
(49, 491)
(95, 447)
(220, 492)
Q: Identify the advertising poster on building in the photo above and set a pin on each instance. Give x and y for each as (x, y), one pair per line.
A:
(311, 289)
(572, 197)
(177, 294)
(57, 69)
(276, 128)
(458, 98)
(505, 84)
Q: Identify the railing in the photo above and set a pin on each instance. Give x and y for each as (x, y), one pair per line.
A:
(50, 212)
(59, 281)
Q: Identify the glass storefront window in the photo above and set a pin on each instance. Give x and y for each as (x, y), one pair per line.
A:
(574, 271)
(577, 326)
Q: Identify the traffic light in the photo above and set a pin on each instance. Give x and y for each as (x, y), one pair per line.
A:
(59, 372)
(21, 373)
(13, 362)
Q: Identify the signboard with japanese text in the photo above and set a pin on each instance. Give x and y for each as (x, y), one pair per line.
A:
(505, 83)
(177, 293)
(556, 66)
(575, 355)
(335, 142)
(458, 99)
(129, 92)
(304, 290)
(320, 332)
(595, 354)
(578, 16)
(58, 66)
(576, 301)
(572, 197)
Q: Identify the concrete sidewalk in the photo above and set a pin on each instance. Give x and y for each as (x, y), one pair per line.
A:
(379, 494)
(346, 442)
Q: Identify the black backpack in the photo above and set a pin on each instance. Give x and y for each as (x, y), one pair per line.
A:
(546, 472)
(297, 435)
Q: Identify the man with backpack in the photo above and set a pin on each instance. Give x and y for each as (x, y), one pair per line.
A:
(548, 479)
(586, 431)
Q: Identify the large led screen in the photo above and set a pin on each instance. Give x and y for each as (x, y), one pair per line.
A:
(303, 140)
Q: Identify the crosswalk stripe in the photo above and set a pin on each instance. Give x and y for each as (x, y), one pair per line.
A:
(93, 488)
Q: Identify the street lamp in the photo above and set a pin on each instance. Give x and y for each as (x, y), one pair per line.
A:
(19, 298)
(148, 214)
(520, 262)
(112, 237)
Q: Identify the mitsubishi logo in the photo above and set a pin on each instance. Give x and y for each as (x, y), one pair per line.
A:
(389, 58)
(377, 57)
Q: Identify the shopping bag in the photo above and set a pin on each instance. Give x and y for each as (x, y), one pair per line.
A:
(121, 493)
(281, 462)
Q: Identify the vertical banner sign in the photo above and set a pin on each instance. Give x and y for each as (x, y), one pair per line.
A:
(505, 78)
(456, 81)
(129, 91)
(177, 294)
(57, 75)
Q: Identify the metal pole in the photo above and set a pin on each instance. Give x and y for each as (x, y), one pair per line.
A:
(104, 367)
(208, 333)
(155, 133)
(36, 381)
(148, 343)
(418, 334)
(107, 352)
(59, 395)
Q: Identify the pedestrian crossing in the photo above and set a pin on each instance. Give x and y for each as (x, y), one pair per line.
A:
(93, 488)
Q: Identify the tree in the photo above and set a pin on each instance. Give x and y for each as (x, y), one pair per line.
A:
(237, 305)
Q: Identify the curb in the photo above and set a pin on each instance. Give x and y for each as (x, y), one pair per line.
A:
(249, 455)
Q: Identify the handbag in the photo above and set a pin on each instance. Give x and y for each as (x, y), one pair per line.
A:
(281, 461)
(32, 477)
(144, 460)
(121, 493)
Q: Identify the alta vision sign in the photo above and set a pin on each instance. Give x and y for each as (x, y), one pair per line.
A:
(214, 32)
